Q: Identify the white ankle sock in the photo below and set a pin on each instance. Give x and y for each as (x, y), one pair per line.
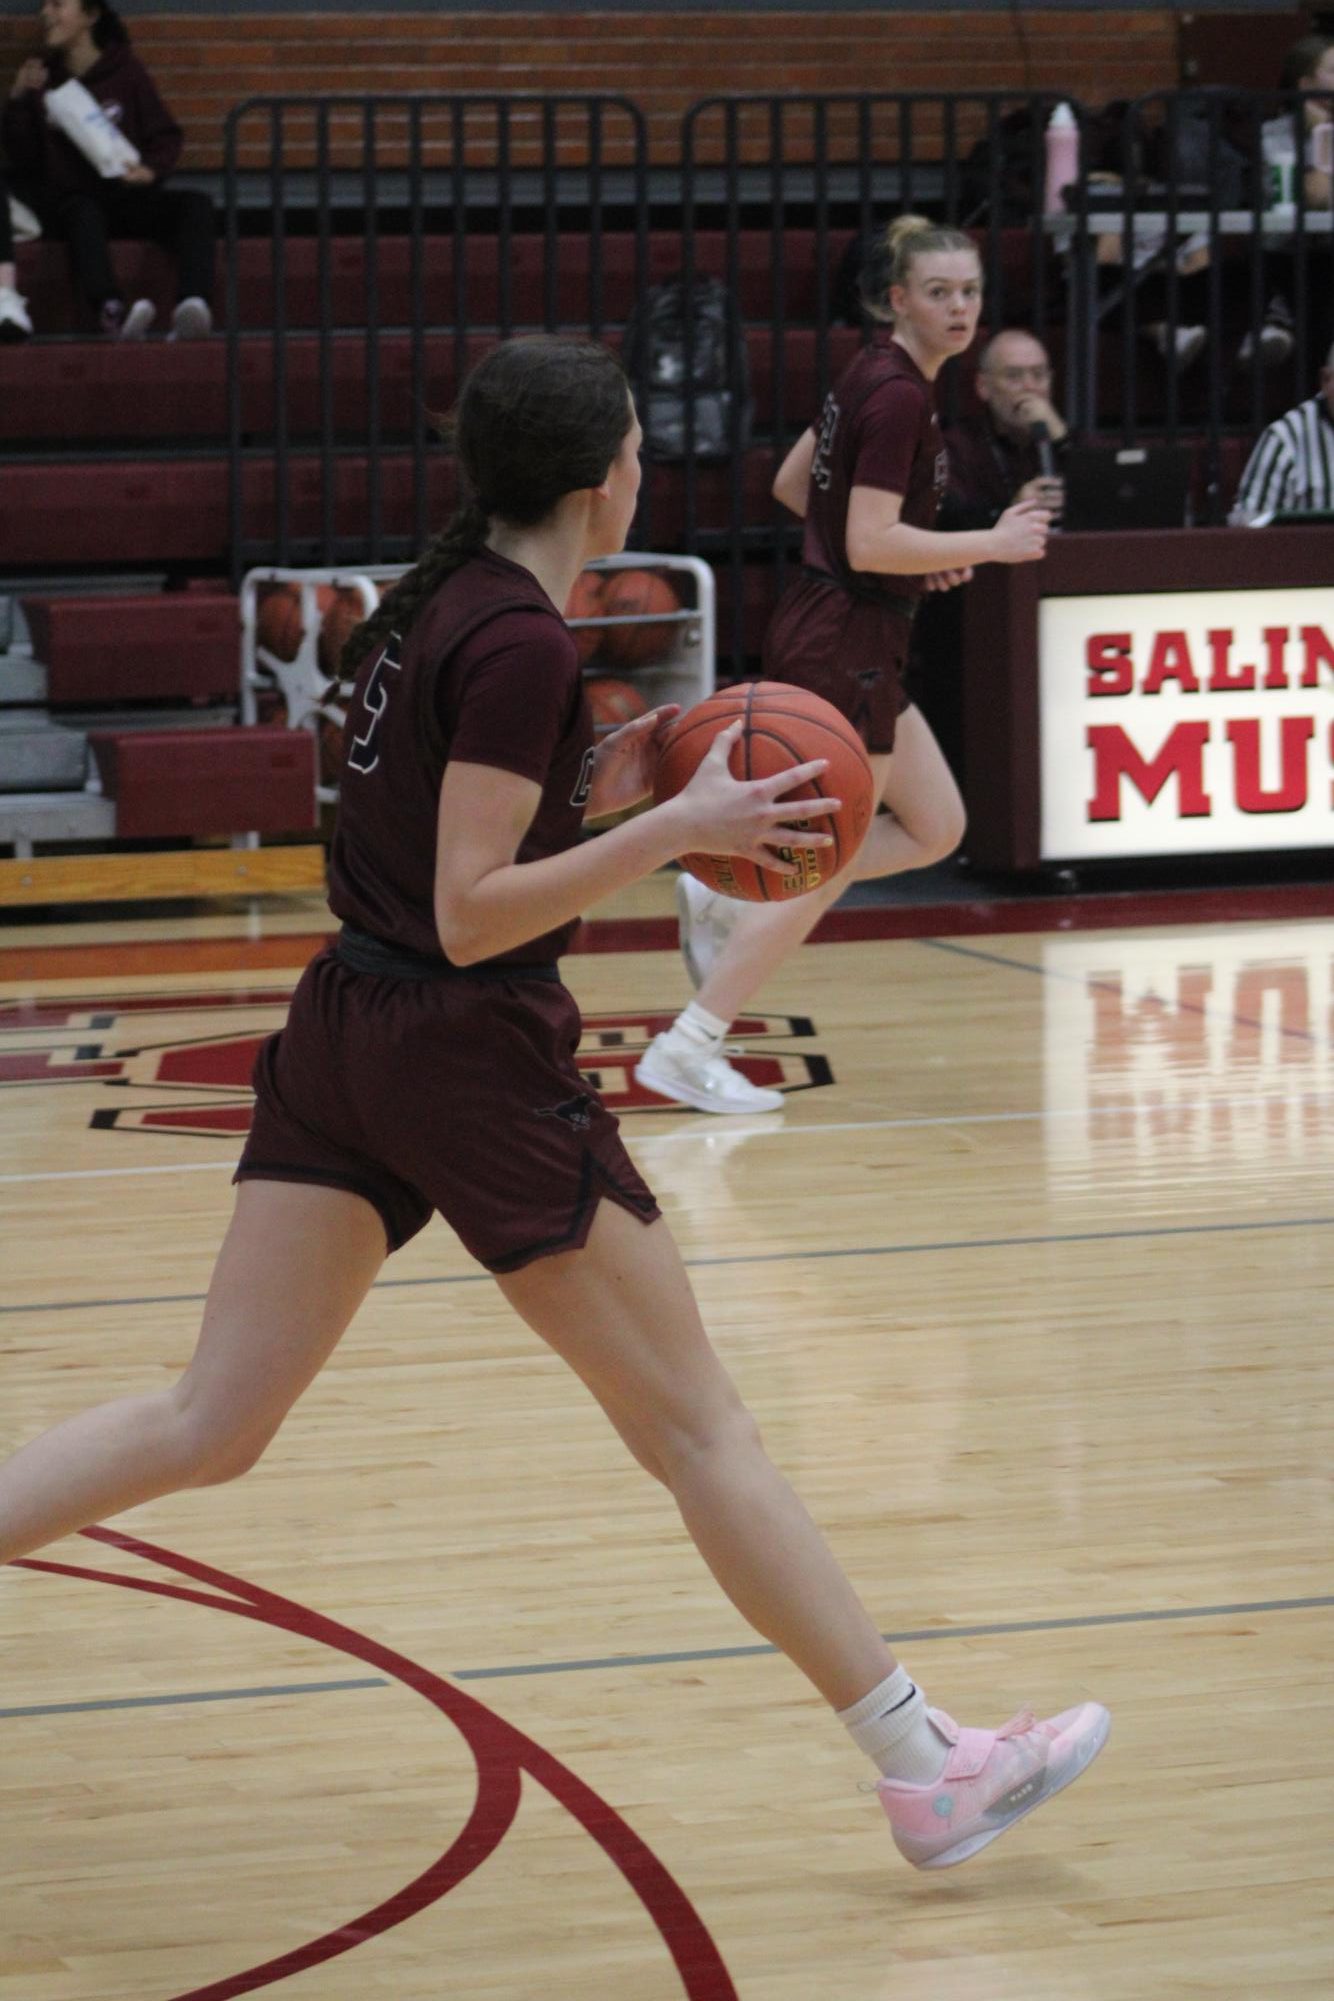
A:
(891, 1726)
(697, 1028)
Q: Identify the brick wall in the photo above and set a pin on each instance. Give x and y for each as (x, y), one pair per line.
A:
(663, 61)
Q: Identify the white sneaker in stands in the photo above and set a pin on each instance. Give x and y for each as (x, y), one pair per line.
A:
(14, 321)
(191, 320)
(133, 325)
(1188, 344)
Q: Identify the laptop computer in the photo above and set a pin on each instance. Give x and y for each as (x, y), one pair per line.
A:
(1140, 486)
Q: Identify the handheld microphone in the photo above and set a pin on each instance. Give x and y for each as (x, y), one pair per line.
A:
(1041, 437)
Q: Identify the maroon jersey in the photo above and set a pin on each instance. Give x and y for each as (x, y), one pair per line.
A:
(878, 428)
(488, 674)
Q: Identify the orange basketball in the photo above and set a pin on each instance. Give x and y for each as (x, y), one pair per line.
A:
(340, 619)
(585, 601)
(783, 726)
(638, 594)
(613, 703)
(278, 623)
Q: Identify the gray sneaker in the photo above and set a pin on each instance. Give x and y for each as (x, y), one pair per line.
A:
(705, 1081)
(191, 320)
(706, 921)
(131, 325)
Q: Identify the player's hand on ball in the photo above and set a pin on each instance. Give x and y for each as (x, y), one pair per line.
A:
(626, 759)
(749, 817)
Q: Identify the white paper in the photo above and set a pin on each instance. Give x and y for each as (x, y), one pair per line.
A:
(74, 111)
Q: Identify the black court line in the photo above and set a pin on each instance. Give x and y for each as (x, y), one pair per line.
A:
(197, 1695)
(1106, 987)
(603, 1662)
(997, 1631)
(777, 1257)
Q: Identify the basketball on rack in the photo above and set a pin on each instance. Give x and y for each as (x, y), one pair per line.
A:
(784, 726)
(341, 618)
(278, 625)
(585, 601)
(613, 703)
(638, 594)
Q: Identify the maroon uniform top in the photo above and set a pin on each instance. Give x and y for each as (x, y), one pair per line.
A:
(123, 87)
(878, 428)
(488, 674)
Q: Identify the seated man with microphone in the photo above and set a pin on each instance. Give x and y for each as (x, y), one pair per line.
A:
(1012, 450)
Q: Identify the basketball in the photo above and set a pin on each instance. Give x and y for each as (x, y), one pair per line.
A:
(586, 601)
(613, 703)
(278, 624)
(638, 593)
(784, 726)
(340, 619)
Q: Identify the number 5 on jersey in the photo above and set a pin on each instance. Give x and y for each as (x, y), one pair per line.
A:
(362, 754)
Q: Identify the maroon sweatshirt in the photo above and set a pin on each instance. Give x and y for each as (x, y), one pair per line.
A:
(42, 157)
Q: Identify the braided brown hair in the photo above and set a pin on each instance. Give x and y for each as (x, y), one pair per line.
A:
(538, 418)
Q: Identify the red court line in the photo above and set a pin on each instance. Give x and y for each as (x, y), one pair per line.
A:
(1112, 910)
(501, 1753)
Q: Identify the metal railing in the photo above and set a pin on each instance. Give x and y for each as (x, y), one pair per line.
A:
(330, 443)
(404, 234)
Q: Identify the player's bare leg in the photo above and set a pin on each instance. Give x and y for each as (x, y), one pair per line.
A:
(295, 1265)
(621, 1312)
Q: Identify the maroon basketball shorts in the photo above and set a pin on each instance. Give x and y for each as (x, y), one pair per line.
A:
(457, 1092)
(848, 649)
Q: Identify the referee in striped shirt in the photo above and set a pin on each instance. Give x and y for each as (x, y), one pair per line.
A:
(1291, 470)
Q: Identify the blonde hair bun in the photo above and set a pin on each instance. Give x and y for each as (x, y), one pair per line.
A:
(892, 253)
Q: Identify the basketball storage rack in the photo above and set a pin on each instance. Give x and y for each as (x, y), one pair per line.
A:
(311, 698)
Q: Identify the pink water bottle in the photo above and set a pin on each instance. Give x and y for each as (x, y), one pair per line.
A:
(1062, 157)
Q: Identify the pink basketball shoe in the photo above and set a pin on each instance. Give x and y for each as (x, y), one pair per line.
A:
(991, 1779)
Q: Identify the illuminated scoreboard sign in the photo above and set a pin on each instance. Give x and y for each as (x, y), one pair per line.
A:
(1191, 722)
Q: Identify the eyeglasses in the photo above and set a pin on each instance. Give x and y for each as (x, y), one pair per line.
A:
(1037, 371)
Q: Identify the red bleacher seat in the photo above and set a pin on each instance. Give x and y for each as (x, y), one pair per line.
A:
(512, 280)
(96, 391)
(179, 783)
(177, 646)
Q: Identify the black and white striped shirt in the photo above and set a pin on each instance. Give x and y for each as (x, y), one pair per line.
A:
(1291, 469)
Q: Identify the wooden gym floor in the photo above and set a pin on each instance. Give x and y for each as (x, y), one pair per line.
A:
(1030, 1288)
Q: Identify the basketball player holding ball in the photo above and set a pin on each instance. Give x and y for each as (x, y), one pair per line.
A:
(867, 482)
(428, 1063)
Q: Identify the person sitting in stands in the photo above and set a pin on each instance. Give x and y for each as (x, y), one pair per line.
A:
(994, 460)
(1307, 66)
(87, 39)
(1291, 470)
(996, 457)
(14, 321)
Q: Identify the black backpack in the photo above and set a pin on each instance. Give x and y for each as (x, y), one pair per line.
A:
(655, 361)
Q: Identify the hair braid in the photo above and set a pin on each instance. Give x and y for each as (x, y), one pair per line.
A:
(463, 536)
